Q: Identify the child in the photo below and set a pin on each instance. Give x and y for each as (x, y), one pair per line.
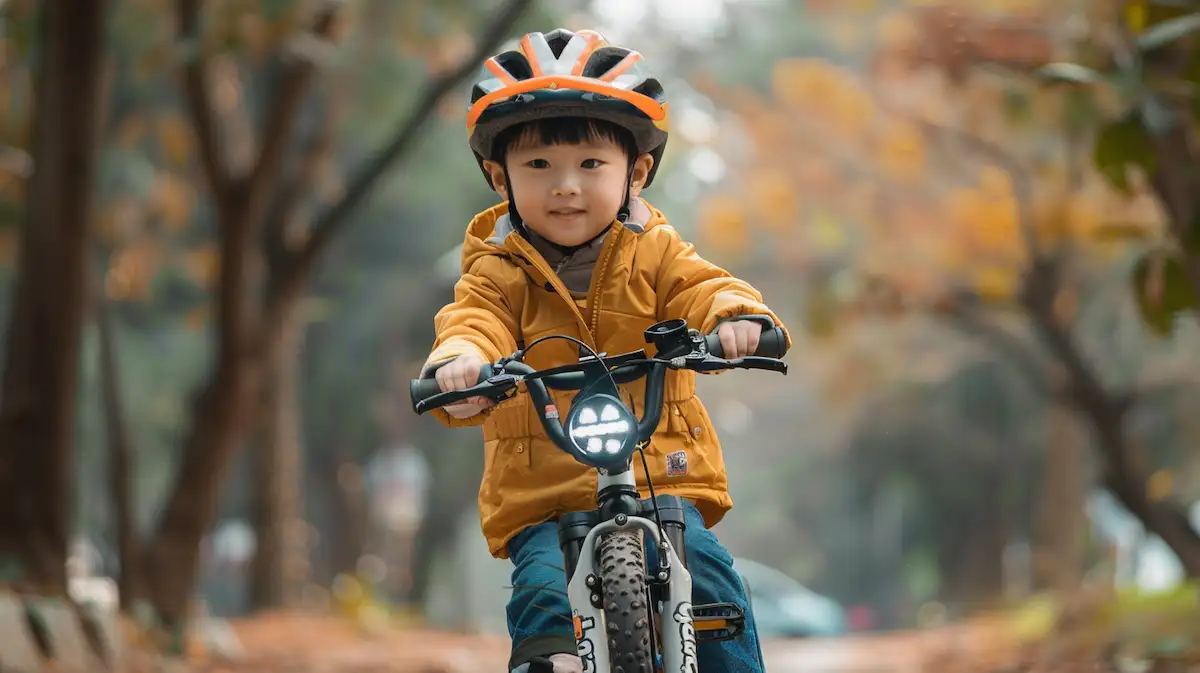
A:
(569, 130)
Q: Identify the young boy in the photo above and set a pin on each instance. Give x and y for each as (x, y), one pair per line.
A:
(569, 130)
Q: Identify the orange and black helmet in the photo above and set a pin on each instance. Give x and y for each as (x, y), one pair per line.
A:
(568, 74)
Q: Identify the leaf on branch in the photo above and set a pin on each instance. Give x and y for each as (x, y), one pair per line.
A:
(202, 265)
(1122, 232)
(995, 284)
(1167, 32)
(1162, 290)
(175, 138)
(1119, 145)
(173, 200)
(1069, 73)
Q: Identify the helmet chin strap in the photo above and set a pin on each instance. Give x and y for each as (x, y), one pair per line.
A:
(514, 215)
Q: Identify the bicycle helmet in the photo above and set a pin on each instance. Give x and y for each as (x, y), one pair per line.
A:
(567, 74)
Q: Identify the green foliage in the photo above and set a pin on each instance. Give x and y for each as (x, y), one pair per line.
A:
(1167, 32)
(1162, 290)
(1150, 96)
(1120, 145)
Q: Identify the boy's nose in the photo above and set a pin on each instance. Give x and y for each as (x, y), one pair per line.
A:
(566, 185)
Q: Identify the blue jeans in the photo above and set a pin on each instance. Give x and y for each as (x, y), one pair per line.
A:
(539, 614)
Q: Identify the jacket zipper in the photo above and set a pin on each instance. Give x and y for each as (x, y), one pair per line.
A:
(601, 268)
(592, 305)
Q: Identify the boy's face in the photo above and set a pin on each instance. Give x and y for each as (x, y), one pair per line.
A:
(568, 193)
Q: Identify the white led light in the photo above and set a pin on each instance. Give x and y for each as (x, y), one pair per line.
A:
(601, 426)
(601, 429)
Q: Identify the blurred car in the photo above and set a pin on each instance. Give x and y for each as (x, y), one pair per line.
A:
(784, 608)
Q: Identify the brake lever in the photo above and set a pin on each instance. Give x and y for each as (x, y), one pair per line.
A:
(706, 363)
(496, 388)
(703, 362)
(757, 362)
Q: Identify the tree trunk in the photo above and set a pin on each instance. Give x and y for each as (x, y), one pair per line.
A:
(972, 559)
(453, 486)
(352, 511)
(1125, 482)
(171, 561)
(280, 555)
(1107, 413)
(38, 391)
(1058, 529)
(245, 324)
(438, 529)
(121, 465)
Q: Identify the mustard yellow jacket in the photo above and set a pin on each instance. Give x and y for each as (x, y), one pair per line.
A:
(508, 293)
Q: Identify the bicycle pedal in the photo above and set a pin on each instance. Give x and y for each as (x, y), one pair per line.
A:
(715, 622)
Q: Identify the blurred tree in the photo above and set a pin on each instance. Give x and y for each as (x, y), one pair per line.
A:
(38, 393)
(122, 468)
(1048, 304)
(965, 466)
(265, 263)
(904, 185)
(1144, 56)
(1050, 247)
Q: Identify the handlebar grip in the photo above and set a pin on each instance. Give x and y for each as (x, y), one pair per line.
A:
(423, 389)
(771, 344)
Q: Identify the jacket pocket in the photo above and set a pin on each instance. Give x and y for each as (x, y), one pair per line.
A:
(508, 431)
(694, 434)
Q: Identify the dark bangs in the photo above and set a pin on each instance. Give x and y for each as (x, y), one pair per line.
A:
(564, 131)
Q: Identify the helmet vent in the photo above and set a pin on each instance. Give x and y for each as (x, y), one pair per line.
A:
(651, 88)
(557, 41)
(516, 65)
(603, 60)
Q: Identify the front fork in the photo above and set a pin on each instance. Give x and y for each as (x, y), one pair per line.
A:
(678, 636)
(573, 529)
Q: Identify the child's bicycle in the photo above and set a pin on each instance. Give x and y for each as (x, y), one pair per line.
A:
(646, 613)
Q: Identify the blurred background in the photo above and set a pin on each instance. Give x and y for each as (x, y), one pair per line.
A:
(225, 227)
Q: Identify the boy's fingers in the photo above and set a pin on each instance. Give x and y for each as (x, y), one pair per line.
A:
(460, 378)
(752, 338)
(742, 341)
(728, 340)
(442, 376)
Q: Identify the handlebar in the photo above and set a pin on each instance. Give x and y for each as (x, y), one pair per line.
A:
(771, 344)
(678, 348)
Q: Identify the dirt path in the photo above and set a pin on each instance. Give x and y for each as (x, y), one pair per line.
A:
(303, 644)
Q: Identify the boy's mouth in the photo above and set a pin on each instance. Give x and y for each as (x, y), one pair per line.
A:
(567, 212)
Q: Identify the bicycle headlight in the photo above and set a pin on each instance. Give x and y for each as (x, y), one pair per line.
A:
(602, 428)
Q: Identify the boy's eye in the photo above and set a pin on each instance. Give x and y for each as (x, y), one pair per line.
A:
(591, 163)
(539, 163)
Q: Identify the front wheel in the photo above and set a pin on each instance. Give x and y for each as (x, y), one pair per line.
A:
(626, 610)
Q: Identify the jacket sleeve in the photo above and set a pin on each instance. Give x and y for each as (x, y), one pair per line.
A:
(480, 321)
(702, 293)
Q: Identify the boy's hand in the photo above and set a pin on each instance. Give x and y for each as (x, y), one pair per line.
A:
(739, 338)
(460, 373)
